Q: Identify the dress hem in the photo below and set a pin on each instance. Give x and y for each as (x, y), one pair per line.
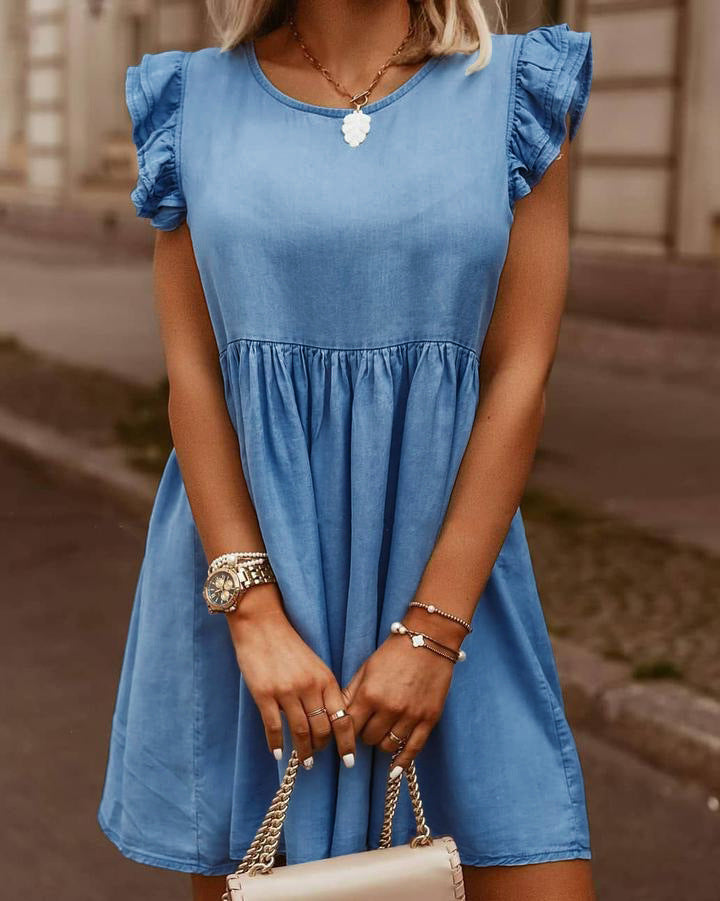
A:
(568, 852)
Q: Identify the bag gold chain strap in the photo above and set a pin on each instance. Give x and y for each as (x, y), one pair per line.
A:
(260, 856)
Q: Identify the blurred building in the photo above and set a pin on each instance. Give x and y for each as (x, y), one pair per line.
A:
(647, 176)
(64, 130)
(645, 173)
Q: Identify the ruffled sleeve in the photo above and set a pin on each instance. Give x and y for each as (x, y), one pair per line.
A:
(154, 97)
(552, 71)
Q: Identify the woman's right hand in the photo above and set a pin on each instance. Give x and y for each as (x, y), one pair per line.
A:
(284, 675)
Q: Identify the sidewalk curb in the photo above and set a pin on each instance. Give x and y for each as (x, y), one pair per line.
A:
(664, 723)
(105, 466)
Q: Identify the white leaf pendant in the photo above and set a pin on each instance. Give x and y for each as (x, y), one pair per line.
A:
(355, 127)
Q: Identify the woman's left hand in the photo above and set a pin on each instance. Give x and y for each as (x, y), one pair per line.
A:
(402, 688)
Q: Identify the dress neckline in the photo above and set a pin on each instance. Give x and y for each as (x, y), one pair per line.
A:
(337, 111)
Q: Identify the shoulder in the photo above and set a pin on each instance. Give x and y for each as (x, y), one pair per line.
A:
(209, 61)
(167, 72)
(548, 47)
(542, 55)
(173, 95)
(215, 80)
(550, 71)
(550, 60)
(154, 89)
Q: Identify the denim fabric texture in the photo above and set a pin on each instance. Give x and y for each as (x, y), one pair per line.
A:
(350, 290)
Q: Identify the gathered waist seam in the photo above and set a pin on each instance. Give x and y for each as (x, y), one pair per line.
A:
(303, 345)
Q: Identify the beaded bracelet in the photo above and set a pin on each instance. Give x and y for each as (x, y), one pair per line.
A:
(432, 608)
(235, 556)
(420, 640)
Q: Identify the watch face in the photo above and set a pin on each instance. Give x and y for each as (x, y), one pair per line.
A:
(221, 589)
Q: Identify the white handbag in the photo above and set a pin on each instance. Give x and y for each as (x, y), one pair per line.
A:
(426, 869)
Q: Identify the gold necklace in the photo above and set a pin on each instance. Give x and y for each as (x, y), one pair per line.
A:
(355, 125)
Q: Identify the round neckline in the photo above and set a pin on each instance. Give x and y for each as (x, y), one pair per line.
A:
(337, 111)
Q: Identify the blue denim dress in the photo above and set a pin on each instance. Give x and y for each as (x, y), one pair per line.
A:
(350, 290)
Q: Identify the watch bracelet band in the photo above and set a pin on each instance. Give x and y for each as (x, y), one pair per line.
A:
(255, 568)
(258, 573)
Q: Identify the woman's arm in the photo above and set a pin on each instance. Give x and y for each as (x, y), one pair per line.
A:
(281, 671)
(397, 683)
(515, 365)
(204, 438)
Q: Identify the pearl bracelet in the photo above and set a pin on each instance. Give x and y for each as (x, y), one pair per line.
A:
(235, 556)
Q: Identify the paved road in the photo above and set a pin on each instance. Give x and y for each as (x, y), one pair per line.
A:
(82, 305)
(635, 444)
(63, 636)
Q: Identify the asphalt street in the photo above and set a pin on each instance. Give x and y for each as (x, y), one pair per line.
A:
(70, 560)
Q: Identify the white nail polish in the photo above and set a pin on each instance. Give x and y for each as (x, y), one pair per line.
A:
(307, 763)
(395, 772)
(277, 753)
(349, 760)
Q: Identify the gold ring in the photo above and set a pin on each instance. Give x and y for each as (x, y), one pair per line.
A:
(318, 711)
(396, 739)
(339, 714)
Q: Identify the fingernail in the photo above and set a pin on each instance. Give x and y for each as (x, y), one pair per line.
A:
(395, 772)
(307, 763)
(277, 753)
(349, 759)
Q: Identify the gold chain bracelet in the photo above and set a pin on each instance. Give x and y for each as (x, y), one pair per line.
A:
(421, 640)
(433, 608)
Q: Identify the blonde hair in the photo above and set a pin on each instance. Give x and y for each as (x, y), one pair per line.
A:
(441, 26)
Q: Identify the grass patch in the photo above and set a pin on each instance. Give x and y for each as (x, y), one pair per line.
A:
(615, 654)
(539, 505)
(656, 669)
(144, 430)
(9, 343)
(96, 407)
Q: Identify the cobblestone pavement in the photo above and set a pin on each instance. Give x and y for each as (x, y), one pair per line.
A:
(654, 838)
(625, 593)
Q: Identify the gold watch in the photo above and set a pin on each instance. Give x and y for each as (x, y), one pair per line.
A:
(228, 580)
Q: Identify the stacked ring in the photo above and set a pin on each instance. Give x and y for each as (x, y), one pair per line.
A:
(317, 711)
(398, 741)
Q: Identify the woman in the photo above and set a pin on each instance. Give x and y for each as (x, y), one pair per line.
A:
(359, 317)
